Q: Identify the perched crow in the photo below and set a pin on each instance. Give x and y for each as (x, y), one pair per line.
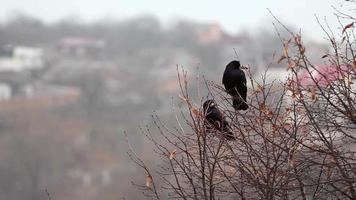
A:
(234, 80)
(215, 119)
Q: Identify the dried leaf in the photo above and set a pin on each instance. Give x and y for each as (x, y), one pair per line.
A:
(347, 188)
(263, 107)
(329, 171)
(324, 56)
(291, 160)
(348, 81)
(305, 131)
(259, 88)
(298, 40)
(149, 181)
(285, 49)
(313, 95)
(354, 63)
(196, 112)
(302, 50)
(330, 165)
(172, 154)
(296, 96)
(330, 160)
(265, 110)
(275, 129)
(347, 27)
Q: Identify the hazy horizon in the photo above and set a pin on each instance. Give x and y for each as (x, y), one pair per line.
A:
(232, 16)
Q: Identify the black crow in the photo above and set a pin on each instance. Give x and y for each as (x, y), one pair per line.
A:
(234, 80)
(216, 120)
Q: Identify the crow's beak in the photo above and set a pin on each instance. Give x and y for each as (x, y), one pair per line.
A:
(243, 67)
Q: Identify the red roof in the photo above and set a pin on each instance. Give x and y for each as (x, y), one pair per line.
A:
(321, 75)
(81, 42)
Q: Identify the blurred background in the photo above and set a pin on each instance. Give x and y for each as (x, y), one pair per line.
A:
(76, 74)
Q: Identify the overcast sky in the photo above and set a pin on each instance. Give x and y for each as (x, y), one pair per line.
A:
(233, 15)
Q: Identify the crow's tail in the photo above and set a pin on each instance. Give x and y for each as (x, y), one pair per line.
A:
(229, 136)
(226, 131)
(238, 103)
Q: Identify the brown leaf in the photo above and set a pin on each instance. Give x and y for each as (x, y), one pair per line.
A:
(296, 95)
(302, 50)
(291, 160)
(330, 165)
(330, 160)
(329, 171)
(348, 81)
(291, 156)
(313, 95)
(263, 107)
(298, 40)
(172, 154)
(285, 49)
(149, 181)
(347, 27)
(324, 56)
(275, 129)
(259, 89)
(196, 112)
(265, 110)
(305, 131)
(354, 63)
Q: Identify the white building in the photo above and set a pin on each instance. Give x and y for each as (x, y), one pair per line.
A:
(21, 58)
(5, 92)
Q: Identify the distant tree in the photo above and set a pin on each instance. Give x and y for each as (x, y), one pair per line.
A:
(32, 156)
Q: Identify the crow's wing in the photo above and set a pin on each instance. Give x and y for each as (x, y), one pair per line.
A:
(235, 80)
